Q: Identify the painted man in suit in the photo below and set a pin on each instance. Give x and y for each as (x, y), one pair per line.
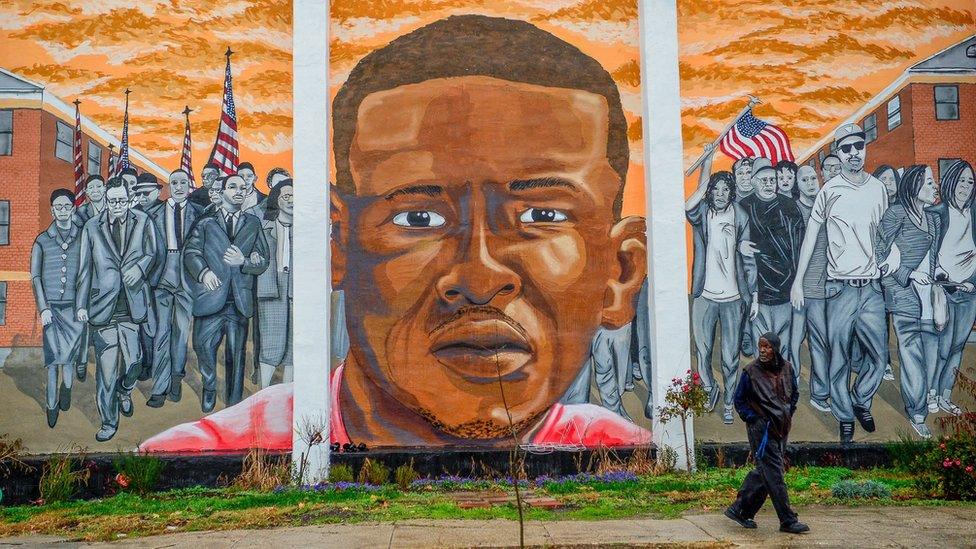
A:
(112, 294)
(54, 267)
(201, 195)
(171, 220)
(224, 254)
(95, 199)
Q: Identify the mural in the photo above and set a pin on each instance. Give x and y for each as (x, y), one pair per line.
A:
(859, 252)
(118, 256)
(486, 256)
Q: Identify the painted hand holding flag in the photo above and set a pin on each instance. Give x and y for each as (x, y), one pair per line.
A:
(752, 137)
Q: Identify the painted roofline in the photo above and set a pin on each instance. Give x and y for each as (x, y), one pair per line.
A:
(22, 79)
(940, 52)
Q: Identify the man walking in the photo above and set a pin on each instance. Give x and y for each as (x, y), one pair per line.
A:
(766, 400)
(850, 206)
(224, 254)
(54, 268)
(112, 294)
(172, 221)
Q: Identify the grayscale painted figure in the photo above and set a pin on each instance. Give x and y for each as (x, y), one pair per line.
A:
(275, 287)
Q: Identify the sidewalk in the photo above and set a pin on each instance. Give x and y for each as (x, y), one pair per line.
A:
(831, 527)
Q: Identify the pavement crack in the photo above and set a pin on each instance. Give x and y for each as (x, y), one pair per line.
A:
(392, 532)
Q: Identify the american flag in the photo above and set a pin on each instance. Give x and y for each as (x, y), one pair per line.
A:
(225, 152)
(186, 162)
(112, 160)
(123, 160)
(79, 159)
(751, 137)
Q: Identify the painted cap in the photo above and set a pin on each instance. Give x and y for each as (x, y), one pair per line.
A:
(759, 164)
(848, 130)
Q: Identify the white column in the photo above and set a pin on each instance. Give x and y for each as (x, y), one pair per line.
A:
(312, 264)
(667, 271)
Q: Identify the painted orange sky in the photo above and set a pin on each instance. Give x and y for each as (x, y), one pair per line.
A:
(813, 62)
(170, 53)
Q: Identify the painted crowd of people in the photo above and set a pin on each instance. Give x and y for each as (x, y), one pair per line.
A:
(837, 259)
(138, 280)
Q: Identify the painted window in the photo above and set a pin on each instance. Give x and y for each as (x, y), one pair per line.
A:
(63, 147)
(4, 222)
(871, 128)
(94, 158)
(6, 133)
(944, 164)
(947, 102)
(894, 112)
(3, 303)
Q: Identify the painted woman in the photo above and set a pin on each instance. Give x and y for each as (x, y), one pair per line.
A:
(956, 264)
(908, 287)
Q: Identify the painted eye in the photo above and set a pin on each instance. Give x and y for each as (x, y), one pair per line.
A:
(541, 215)
(419, 219)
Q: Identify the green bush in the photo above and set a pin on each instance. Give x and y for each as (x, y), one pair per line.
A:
(405, 475)
(869, 489)
(908, 454)
(137, 473)
(60, 480)
(374, 472)
(340, 472)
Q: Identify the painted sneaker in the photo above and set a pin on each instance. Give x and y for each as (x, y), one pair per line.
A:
(948, 407)
(889, 375)
(727, 416)
(923, 431)
(933, 403)
(865, 418)
(713, 394)
(820, 405)
(846, 432)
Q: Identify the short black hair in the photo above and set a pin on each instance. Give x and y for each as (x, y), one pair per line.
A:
(245, 166)
(129, 171)
(274, 172)
(477, 45)
(210, 166)
(114, 182)
(94, 177)
(147, 177)
(62, 192)
(786, 165)
(218, 184)
(271, 203)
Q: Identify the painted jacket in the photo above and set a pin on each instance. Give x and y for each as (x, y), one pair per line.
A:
(264, 420)
(913, 244)
(54, 266)
(745, 267)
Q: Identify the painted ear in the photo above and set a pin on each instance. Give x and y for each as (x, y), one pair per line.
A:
(338, 217)
(629, 238)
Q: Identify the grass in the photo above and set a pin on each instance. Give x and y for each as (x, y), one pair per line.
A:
(662, 496)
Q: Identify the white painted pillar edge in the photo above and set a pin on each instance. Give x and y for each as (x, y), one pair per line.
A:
(664, 190)
(312, 263)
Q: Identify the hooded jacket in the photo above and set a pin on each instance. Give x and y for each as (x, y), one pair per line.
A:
(768, 392)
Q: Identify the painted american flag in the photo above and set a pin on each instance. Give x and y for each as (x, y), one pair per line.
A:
(225, 149)
(112, 160)
(79, 158)
(123, 160)
(186, 161)
(751, 137)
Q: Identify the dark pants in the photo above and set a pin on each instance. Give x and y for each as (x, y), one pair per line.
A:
(767, 478)
(208, 332)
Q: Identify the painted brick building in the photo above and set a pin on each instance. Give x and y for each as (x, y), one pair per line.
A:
(926, 116)
(36, 157)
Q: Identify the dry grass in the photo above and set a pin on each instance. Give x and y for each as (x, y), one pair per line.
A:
(262, 472)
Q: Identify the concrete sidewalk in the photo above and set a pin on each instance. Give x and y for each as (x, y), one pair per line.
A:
(831, 527)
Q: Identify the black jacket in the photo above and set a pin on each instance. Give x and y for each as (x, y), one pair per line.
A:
(769, 395)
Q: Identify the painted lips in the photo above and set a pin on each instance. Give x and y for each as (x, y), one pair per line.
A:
(481, 346)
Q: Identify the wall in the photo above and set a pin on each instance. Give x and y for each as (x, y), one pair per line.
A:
(937, 139)
(895, 147)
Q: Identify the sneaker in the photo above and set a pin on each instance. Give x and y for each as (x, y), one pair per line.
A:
(889, 375)
(52, 416)
(743, 522)
(105, 434)
(796, 527)
(125, 404)
(727, 415)
(846, 432)
(713, 394)
(820, 405)
(948, 407)
(933, 403)
(865, 418)
(156, 401)
(923, 431)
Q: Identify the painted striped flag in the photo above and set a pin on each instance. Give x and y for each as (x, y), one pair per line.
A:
(751, 137)
(123, 160)
(225, 149)
(112, 160)
(186, 161)
(79, 158)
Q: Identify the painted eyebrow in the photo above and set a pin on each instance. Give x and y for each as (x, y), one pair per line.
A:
(541, 183)
(426, 190)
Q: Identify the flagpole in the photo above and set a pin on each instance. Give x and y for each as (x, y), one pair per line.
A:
(753, 101)
(187, 155)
